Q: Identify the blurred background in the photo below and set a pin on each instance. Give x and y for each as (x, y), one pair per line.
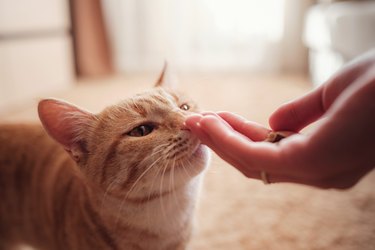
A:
(45, 45)
(245, 56)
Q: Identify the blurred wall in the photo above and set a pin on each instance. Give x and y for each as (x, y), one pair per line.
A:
(294, 52)
(35, 49)
(92, 52)
(208, 35)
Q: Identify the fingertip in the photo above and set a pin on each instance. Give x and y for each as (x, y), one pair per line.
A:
(192, 120)
(208, 120)
(276, 119)
(298, 113)
(286, 117)
(215, 126)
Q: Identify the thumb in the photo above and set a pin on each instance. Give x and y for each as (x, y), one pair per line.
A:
(297, 114)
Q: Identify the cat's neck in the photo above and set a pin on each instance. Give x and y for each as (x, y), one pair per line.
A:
(162, 216)
(165, 220)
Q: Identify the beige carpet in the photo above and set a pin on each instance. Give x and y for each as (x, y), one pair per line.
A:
(239, 213)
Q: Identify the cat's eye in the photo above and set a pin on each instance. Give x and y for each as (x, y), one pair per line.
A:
(185, 107)
(141, 130)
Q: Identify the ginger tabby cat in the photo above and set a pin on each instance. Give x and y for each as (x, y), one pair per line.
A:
(126, 178)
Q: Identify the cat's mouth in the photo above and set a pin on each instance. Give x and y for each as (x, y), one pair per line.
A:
(187, 151)
(195, 156)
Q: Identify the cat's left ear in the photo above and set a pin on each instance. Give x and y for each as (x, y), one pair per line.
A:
(67, 124)
(167, 79)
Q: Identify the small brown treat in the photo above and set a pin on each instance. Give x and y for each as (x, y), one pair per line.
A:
(276, 136)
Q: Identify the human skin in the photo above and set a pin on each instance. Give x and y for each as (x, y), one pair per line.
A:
(336, 154)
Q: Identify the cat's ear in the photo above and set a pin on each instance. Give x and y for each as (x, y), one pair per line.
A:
(166, 78)
(66, 124)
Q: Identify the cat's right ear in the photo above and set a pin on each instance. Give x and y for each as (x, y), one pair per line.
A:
(66, 124)
(166, 79)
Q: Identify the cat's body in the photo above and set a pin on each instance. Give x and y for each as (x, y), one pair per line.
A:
(38, 179)
(129, 180)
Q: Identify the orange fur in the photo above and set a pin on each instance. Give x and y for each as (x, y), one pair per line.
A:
(100, 187)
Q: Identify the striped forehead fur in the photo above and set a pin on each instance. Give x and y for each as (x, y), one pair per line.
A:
(143, 104)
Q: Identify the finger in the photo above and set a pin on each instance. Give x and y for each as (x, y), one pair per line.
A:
(192, 120)
(207, 113)
(216, 115)
(297, 114)
(233, 156)
(343, 78)
(193, 123)
(236, 145)
(252, 130)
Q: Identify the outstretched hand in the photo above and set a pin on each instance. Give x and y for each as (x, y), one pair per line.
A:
(336, 154)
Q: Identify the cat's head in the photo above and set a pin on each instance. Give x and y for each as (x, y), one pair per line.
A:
(139, 145)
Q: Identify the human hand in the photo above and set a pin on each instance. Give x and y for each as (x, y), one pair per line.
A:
(336, 154)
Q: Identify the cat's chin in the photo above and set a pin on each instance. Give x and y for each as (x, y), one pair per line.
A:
(193, 163)
(201, 153)
(199, 158)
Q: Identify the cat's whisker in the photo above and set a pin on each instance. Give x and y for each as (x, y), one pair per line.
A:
(105, 194)
(133, 186)
(186, 174)
(161, 191)
(171, 172)
(172, 176)
(189, 176)
(148, 169)
(156, 150)
(159, 170)
(141, 176)
(113, 182)
(151, 190)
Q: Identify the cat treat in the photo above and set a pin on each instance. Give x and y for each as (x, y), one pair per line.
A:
(276, 136)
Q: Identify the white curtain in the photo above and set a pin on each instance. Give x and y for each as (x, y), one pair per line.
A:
(203, 35)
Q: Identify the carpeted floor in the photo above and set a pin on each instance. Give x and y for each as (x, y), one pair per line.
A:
(235, 212)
